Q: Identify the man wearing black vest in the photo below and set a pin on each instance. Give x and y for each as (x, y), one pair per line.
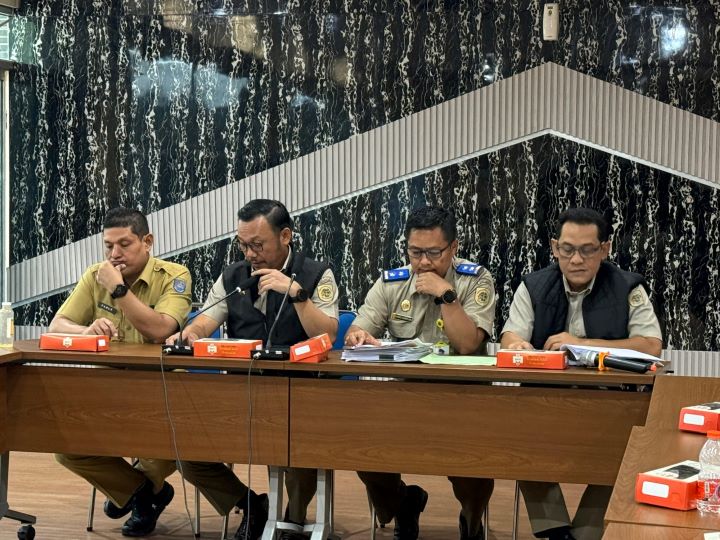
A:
(264, 236)
(581, 300)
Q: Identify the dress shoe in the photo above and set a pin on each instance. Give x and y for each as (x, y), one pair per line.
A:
(146, 508)
(465, 534)
(558, 533)
(253, 522)
(407, 519)
(113, 511)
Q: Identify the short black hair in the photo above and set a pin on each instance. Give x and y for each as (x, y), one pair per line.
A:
(274, 211)
(585, 216)
(127, 217)
(430, 217)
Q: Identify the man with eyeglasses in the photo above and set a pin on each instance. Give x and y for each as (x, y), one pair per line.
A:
(437, 298)
(135, 298)
(581, 300)
(264, 235)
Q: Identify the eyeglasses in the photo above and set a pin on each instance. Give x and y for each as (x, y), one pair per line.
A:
(431, 254)
(567, 251)
(257, 247)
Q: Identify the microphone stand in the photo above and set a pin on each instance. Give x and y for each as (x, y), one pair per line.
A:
(179, 347)
(278, 353)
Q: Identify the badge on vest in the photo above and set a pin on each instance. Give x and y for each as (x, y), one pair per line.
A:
(107, 307)
(482, 296)
(468, 269)
(326, 292)
(398, 317)
(179, 285)
(397, 274)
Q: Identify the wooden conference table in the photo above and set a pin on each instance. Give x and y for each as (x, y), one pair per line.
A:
(659, 443)
(565, 426)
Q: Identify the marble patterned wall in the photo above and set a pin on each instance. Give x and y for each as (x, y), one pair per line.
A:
(147, 103)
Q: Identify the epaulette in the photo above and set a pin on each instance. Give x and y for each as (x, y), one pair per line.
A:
(469, 269)
(396, 274)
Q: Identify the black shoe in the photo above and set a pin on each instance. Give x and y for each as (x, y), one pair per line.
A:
(253, 523)
(558, 533)
(292, 535)
(407, 519)
(114, 512)
(465, 534)
(147, 507)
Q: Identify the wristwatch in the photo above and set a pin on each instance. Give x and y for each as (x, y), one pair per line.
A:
(120, 291)
(301, 296)
(448, 297)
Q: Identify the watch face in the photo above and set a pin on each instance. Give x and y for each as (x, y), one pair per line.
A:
(449, 296)
(301, 296)
(120, 291)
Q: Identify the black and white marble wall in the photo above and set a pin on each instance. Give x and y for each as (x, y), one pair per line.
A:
(147, 103)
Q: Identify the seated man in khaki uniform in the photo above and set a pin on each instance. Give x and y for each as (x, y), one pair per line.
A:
(581, 300)
(436, 298)
(135, 298)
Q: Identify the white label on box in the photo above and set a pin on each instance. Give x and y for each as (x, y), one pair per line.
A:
(693, 419)
(101, 342)
(67, 342)
(656, 490)
(712, 536)
(302, 350)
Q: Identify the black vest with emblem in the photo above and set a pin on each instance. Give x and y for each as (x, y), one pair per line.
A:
(247, 322)
(605, 309)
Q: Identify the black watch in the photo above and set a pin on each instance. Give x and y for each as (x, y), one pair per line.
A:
(120, 291)
(448, 297)
(301, 296)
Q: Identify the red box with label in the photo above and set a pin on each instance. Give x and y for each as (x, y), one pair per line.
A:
(509, 358)
(226, 348)
(311, 350)
(700, 418)
(674, 486)
(74, 342)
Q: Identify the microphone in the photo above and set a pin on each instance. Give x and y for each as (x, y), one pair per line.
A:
(282, 352)
(179, 347)
(590, 359)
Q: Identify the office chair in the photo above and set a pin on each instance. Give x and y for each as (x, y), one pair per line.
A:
(346, 319)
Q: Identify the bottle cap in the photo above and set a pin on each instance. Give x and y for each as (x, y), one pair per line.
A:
(713, 435)
(7, 305)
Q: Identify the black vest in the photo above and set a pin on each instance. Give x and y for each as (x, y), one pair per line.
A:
(605, 309)
(247, 322)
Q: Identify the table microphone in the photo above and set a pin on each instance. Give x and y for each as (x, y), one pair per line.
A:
(179, 347)
(281, 352)
(590, 359)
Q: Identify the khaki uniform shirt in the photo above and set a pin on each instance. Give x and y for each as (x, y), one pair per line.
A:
(162, 285)
(325, 297)
(407, 314)
(641, 317)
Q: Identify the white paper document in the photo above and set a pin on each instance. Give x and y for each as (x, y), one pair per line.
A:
(388, 351)
(579, 351)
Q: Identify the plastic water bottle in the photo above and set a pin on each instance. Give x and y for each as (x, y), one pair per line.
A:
(709, 477)
(7, 326)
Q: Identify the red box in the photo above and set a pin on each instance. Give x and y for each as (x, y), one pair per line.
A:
(312, 350)
(74, 342)
(508, 358)
(700, 418)
(226, 348)
(674, 486)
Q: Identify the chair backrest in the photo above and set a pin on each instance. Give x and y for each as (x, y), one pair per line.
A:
(216, 334)
(346, 319)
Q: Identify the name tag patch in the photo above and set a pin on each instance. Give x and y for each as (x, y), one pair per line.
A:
(179, 285)
(107, 307)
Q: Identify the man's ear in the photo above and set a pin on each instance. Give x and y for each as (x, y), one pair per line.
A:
(286, 236)
(148, 240)
(605, 249)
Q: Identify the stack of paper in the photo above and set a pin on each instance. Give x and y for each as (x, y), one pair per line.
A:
(388, 351)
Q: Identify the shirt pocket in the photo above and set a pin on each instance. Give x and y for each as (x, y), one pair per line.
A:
(402, 329)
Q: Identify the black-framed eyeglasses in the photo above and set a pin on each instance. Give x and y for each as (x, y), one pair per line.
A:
(431, 254)
(567, 251)
(257, 247)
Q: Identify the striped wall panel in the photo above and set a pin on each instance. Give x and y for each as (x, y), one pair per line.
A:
(550, 99)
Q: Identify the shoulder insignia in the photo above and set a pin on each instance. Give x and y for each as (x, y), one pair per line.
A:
(637, 299)
(482, 296)
(326, 292)
(469, 269)
(179, 285)
(397, 274)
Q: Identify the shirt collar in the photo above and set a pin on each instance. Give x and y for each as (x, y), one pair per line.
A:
(287, 260)
(585, 291)
(146, 274)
